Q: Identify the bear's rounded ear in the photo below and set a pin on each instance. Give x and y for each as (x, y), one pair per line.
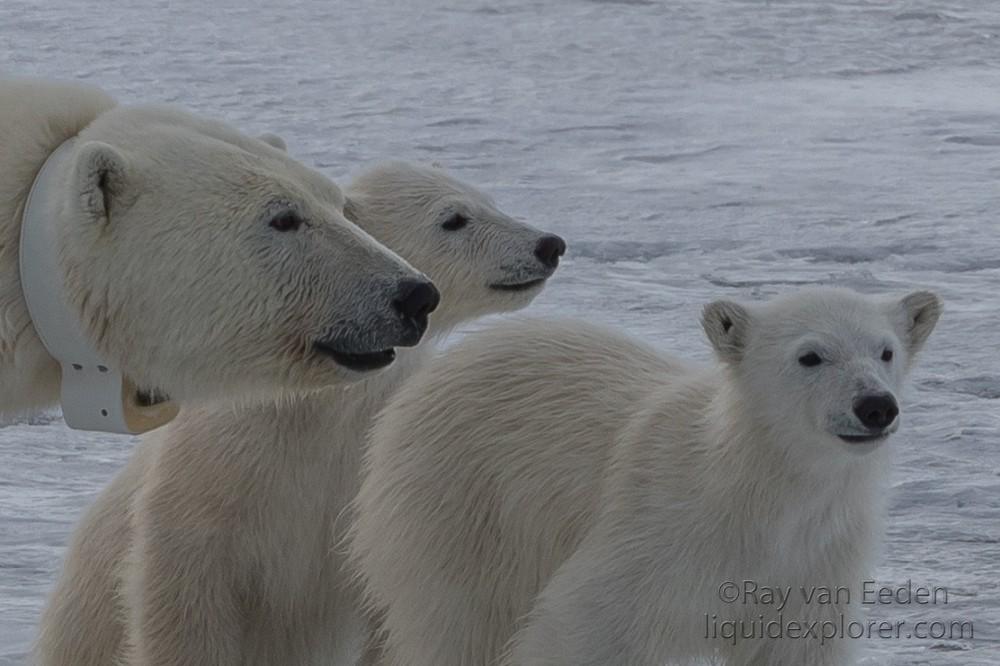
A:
(100, 177)
(919, 314)
(274, 141)
(726, 324)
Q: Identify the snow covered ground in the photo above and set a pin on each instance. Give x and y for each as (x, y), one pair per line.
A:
(687, 149)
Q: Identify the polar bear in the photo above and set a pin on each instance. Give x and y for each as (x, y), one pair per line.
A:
(200, 261)
(218, 544)
(551, 493)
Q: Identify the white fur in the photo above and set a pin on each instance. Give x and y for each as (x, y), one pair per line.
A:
(219, 543)
(168, 256)
(553, 493)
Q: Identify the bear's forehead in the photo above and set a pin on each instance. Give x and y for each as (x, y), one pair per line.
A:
(220, 166)
(400, 180)
(831, 319)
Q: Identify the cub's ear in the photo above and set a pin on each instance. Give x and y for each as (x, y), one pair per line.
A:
(274, 141)
(101, 177)
(726, 324)
(919, 313)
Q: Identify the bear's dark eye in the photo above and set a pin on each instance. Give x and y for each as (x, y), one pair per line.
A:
(886, 355)
(286, 221)
(456, 221)
(810, 360)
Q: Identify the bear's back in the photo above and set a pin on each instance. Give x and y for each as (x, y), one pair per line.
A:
(535, 404)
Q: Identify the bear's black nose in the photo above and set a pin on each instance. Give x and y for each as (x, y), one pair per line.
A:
(876, 412)
(416, 299)
(549, 248)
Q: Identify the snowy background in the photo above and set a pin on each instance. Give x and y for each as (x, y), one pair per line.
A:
(688, 150)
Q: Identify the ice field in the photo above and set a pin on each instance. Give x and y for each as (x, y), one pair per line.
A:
(687, 150)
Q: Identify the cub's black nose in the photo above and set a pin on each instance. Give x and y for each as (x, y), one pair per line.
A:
(876, 412)
(416, 299)
(549, 248)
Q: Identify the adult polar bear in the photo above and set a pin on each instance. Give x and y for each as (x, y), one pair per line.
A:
(555, 494)
(200, 261)
(219, 541)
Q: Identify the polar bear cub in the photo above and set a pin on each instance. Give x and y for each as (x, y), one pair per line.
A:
(200, 261)
(220, 542)
(550, 493)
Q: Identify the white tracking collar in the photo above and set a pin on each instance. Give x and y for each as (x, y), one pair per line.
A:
(94, 394)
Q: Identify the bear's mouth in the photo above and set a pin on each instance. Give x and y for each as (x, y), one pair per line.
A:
(357, 361)
(150, 397)
(864, 439)
(519, 286)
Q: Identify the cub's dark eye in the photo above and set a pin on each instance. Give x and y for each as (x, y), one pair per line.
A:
(810, 360)
(286, 221)
(456, 221)
(886, 355)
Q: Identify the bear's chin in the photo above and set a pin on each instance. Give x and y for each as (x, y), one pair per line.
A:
(860, 445)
